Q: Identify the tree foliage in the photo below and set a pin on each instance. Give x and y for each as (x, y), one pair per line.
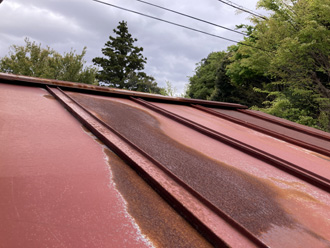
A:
(123, 63)
(168, 90)
(212, 81)
(283, 65)
(202, 84)
(298, 60)
(33, 60)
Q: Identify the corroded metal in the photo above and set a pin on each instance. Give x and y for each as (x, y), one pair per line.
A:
(56, 188)
(230, 186)
(287, 124)
(307, 175)
(222, 176)
(174, 191)
(305, 144)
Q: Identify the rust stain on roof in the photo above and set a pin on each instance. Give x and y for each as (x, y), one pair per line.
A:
(226, 187)
(251, 201)
(265, 181)
(157, 220)
(48, 96)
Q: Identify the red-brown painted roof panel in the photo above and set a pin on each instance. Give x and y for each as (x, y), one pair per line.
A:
(253, 193)
(235, 182)
(279, 148)
(57, 188)
(296, 134)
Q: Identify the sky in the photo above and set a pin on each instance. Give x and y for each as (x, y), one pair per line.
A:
(172, 52)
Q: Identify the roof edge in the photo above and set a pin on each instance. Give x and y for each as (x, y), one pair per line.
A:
(29, 81)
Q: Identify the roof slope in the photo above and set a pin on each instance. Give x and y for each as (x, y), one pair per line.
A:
(240, 177)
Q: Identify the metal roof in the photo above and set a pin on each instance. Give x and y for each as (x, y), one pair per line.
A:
(88, 176)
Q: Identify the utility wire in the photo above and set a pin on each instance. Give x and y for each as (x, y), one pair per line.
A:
(162, 20)
(192, 17)
(176, 24)
(236, 6)
(243, 7)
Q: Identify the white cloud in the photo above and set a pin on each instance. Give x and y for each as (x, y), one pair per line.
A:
(172, 52)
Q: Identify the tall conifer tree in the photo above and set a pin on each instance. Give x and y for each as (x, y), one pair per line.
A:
(122, 64)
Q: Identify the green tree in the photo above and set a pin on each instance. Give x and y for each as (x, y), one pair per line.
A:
(123, 63)
(33, 60)
(213, 82)
(168, 90)
(202, 84)
(288, 58)
(282, 66)
(143, 84)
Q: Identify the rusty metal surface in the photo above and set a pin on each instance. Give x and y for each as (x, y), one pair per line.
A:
(159, 222)
(57, 189)
(237, 186)
(283, 123)
(171, 187)
(301, 158)
(314, 178)
(316, 144)
(258, 199)
(317, 139)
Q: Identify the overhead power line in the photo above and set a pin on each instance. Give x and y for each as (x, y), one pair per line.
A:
(169, 22)
(192, 17)
(243, 7)
(236, 6)
(175, 24)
